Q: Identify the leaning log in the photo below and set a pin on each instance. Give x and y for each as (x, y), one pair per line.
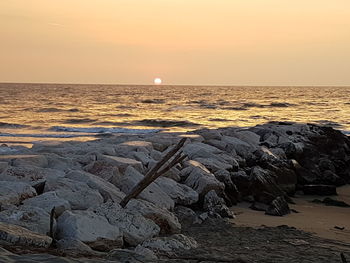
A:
(154, 173)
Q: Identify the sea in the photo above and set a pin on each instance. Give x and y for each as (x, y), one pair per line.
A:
(37, 112)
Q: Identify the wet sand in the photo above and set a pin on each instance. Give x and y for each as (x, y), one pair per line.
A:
(318, 219)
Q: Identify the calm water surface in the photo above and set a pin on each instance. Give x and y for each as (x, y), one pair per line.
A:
(38, 111)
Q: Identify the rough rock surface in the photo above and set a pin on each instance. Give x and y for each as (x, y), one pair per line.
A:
(106, 189)
(79, 195)
(135, 227)
(15, 192)
(90, 228)
(168, 244)
(180, 193)
(166, 220)
(16, 235)
(153, 193)
(278, 207)
(47, 201)
(30, 217)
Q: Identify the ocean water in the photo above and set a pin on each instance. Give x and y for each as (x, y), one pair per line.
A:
(32, 112)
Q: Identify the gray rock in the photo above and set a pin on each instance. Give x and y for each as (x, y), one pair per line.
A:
(214, 165)
(203, 182)
(105, 170)
(106, 189)
(30, 174)
(29, 217)
(122, 163)
(216, 205)
(153, 193)
(185, 215)
(24, 160)
(167, 221)
(72, 244)
(47, 201)
(180, 193)
(278, 207)
(132, 224)
(79, 195)
(19, 236)
(171, 243)
(145, 252)
(242, 148)
(90, 228)
(15, 192)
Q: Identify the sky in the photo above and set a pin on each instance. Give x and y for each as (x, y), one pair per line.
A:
(196, 42)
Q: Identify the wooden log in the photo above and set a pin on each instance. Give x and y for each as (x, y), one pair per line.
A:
(149, 177)
(51, 232)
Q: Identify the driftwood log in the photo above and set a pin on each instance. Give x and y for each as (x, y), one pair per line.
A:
(155, 172)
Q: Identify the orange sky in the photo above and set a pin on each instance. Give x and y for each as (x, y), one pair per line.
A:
(229, 42)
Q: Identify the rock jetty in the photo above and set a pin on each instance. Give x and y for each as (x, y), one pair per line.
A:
(85, 182)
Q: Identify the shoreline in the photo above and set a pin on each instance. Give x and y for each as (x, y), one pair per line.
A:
(272, 166)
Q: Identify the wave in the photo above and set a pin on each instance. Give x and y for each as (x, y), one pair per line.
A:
(77, 121)
(281, 104)
(103, 130)
(52, 109)
(42, 135)
(166, 123)
(153, 101)
(12, 125)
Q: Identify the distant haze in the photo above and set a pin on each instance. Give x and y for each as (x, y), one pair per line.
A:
(222, 42)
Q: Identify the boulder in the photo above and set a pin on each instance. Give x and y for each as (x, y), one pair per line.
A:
(79, 195)
(214, 165)
(29, 217)
(180, 193)
(203, 182)
(170, 244)
(106, 189)
(15, 192)
(152, 193)
(240, 147)
(200, 150)
(30, 174)
(125, 148)
(213, 204)
(319, 190)
(264, 187)
(231, 191)
(185, 215)
(167, 221)
(24, 160)
(122, 163)
(72, 244)
(247, 136)
(135, 227)
(19, 236)
(61, 163)
(104, 170)
(47, 201)
(90, 228)
(243, 182)
(278, 207)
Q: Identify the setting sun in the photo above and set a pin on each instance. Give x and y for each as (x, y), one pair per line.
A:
(157, 81)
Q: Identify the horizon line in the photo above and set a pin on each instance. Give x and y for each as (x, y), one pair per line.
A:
(164, 85)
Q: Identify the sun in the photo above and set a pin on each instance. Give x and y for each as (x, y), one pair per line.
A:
(157, 81)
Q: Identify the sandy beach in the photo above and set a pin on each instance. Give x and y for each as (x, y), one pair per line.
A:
(317, 219)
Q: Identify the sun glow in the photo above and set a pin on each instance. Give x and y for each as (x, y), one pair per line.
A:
(157, 81)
